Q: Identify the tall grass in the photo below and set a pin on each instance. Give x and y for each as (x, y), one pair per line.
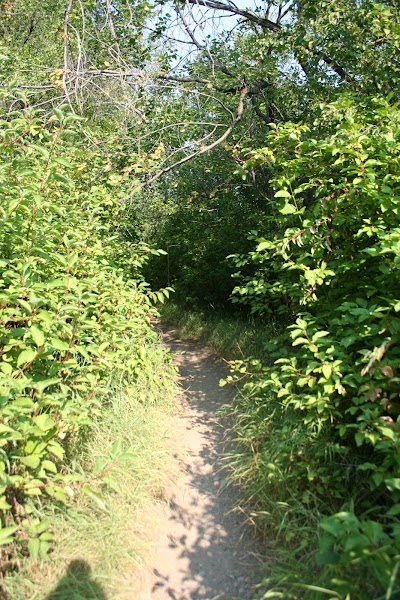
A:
(100, 537)
(267, 440)
(229, 335)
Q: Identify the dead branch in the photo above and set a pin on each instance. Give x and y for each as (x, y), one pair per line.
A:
(239, 113)
(66, 67)
(265, 23)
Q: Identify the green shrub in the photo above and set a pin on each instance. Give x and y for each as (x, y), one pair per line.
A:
(334, 266)
(70, 315)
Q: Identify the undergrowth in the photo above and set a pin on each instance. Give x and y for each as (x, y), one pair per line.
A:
(99, 538)
(229, 335)
(285, 469)
(83, 385)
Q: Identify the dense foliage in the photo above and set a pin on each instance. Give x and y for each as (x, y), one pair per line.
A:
(334, 268)
(318, 422)
(72, 319)
(264, 146)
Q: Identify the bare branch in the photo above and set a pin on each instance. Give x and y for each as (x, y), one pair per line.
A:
(186, 26)
(184, 79)
(231, 8)
(66, 68)
(240, 110)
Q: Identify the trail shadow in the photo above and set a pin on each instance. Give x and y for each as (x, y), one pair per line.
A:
(77, 584)
(214, 554)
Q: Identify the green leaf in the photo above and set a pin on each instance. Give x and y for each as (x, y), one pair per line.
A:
(34, 548)
(6, 368)
(327, 558)
(6, 428)
(32, 461)
(34, 492)
(319, 334)
(96, 497)
(63, 161)
(37, 336)
(4, 504)
(394, 510)
(47, 536)
(44, 548)
(282, 194)
(360, 438)
(114, 485)
(39, 528)
(59, 114)
(24, 402)
(49, 466)
(265, 246)
(56, 449)
(44, 422)
(327, 370)
(300, 340)
(116, 449)
(7, 532)
(41, 385)
(59, 344)
(288, 209)
(40, 149)
(26, 356)
(61, 178)
(393, 483)
(388, 433)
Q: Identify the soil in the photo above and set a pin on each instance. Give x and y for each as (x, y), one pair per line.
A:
(203, 545)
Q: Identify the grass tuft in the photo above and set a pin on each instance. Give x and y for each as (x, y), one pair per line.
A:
(230, 336)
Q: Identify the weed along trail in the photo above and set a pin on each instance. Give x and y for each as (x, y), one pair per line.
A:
(203, 549)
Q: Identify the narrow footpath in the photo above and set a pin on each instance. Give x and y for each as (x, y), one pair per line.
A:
(203, 549)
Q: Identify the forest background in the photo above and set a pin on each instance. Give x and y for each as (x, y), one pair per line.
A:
(258, 146)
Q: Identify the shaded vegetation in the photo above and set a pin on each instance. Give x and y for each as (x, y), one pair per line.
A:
(262, 153)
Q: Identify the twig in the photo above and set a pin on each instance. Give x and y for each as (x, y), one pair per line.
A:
(65, 71)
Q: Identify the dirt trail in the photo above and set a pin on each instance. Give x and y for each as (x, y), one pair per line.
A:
(203, 550)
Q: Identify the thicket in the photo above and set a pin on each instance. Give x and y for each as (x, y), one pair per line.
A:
(323, 421)
(199, 228)
(74, 317)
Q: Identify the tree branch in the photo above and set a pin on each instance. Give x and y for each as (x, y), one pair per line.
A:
(66, 69)
(239, 113)
(259, 113)
(251, 90)
(275, 27)
(249, 16)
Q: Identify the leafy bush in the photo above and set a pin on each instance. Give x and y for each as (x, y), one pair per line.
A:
(70, 316)
(334, 266)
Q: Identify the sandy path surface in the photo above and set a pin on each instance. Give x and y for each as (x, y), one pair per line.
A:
(202, 549)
